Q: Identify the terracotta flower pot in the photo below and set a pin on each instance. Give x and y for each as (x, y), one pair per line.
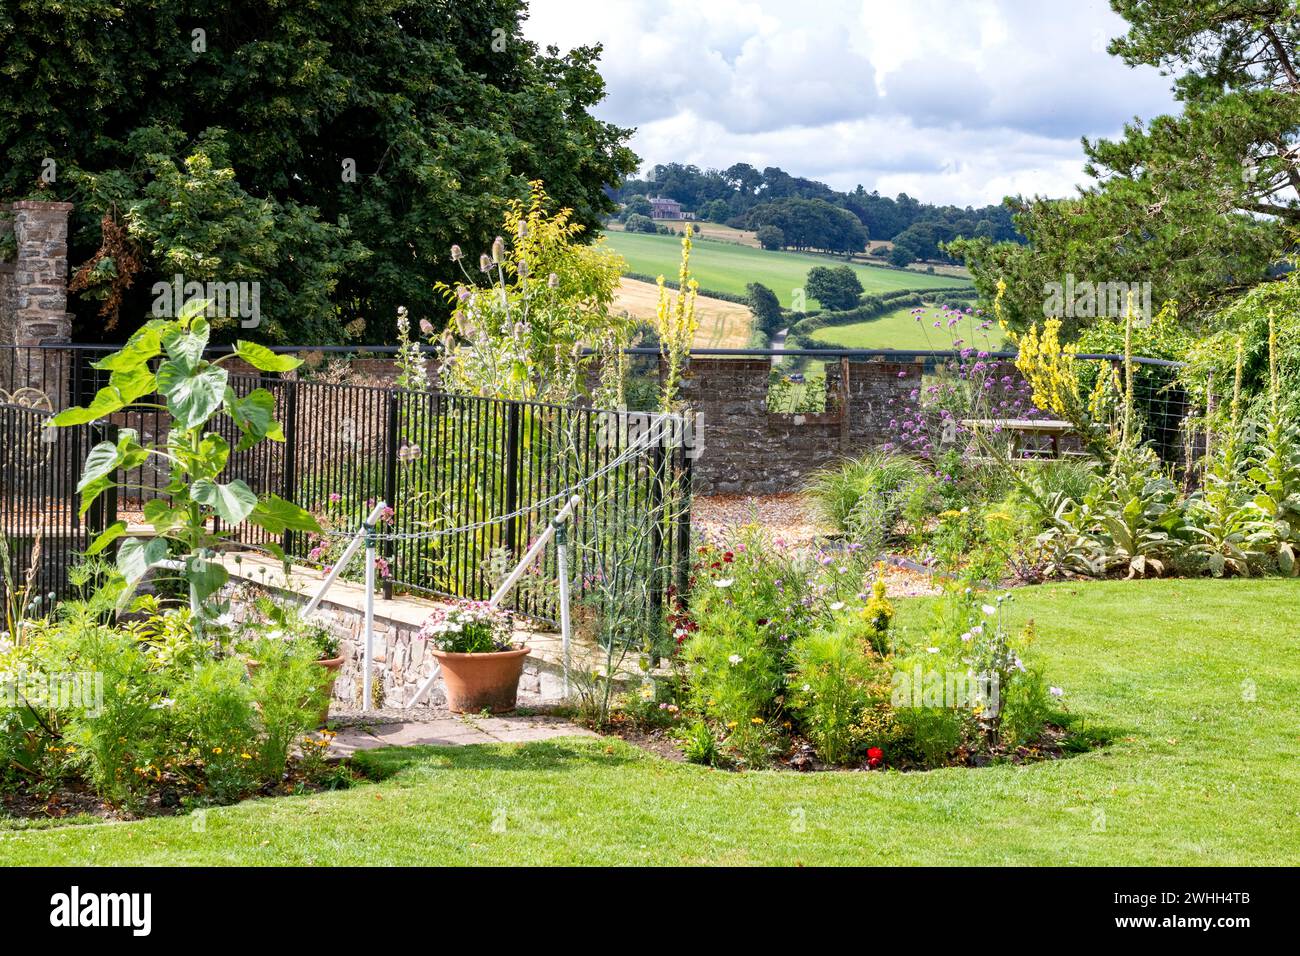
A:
(478, 682)
(332, 666)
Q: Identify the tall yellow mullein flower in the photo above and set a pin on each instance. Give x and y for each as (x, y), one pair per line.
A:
(676, 324)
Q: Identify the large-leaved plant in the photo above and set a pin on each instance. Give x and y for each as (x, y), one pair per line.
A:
(162, 368)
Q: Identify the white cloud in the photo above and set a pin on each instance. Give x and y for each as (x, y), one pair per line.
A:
(958, 101)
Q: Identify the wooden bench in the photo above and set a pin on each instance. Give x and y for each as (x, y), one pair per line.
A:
(1019, 428)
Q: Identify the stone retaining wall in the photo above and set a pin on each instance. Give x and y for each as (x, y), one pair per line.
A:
(748, 450)
(402, 661)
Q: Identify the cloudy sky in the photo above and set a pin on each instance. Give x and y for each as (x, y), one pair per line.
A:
(960, 101)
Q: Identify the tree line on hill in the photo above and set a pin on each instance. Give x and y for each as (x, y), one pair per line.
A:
(791, 212)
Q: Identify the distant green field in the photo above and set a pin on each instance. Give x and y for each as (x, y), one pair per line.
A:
(901, 330)
(727, 267)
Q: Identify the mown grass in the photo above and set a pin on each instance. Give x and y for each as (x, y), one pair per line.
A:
(1195, 682)
(727, 267)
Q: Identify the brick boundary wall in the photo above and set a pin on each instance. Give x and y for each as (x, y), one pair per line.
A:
(750, 450)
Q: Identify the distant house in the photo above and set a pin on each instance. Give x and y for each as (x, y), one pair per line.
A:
(665, 208)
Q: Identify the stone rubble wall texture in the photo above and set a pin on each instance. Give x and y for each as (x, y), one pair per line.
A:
(749, 450)
(402, 660)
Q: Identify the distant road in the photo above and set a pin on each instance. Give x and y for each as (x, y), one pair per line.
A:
(778, 342)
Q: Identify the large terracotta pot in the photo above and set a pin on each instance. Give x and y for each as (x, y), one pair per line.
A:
(478, 682)
(332, 666)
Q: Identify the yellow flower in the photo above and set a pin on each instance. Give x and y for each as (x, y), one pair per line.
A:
(247, 756)
(731, 725)
(757, 720)
(216, 750)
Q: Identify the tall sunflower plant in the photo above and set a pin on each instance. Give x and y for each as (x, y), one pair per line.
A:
(162, 369)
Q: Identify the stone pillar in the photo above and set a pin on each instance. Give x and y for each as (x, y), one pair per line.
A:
(37, 299)
(6, 293)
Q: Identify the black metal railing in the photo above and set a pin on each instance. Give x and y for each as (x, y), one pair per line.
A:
(448, 466)
(40, 525)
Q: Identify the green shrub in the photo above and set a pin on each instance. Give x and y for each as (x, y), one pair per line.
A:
(736, 678)
(929, 734)
(1026, 707)
(119, 742)
(217, 722)
(835, 679)
(289, 689)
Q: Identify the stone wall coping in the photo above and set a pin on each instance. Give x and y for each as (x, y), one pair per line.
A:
(41, 205)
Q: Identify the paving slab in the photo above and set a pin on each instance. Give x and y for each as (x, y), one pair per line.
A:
(435, 733)
(452, 732)
(353, 739)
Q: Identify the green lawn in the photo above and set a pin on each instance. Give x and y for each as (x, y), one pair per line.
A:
(1196, 680)
(727, 267)
(900, 329)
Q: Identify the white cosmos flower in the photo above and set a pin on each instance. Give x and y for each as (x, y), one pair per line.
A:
(989, 609)
(735, 659)
(724, 583)
(932, 650)
(837, 606)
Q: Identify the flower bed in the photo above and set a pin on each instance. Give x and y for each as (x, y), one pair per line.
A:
(795, 658)
(157, 715)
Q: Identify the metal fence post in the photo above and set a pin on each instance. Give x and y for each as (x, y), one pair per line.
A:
(683, 505)
(390, 484)
(512, 477)
(290, 476)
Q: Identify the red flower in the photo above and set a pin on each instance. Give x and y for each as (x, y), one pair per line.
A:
(875, 757)
(728, 557)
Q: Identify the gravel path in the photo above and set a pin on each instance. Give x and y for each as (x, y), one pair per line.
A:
(791, 519)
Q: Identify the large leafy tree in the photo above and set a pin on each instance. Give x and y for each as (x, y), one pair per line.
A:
(1202, 204)
(223, 136)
